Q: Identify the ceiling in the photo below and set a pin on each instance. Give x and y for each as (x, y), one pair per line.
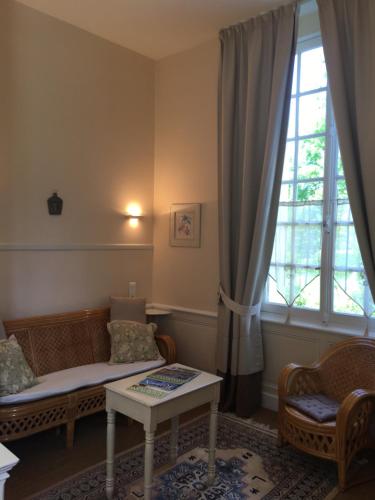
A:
(154, 28)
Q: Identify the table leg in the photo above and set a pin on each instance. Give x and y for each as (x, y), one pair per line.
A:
(212, 442)
(174, 439)
(149, 462)
(110, 482)
(3, 477)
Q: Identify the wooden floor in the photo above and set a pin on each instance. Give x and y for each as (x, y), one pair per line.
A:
(45, 461)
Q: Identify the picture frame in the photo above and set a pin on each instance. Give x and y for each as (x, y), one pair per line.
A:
(185, 225)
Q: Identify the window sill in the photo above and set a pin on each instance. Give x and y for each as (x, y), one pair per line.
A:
(331, 328)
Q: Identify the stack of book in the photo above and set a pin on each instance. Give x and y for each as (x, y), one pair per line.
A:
(160, 383)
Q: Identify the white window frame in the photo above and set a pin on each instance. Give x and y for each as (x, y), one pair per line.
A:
(325, 316)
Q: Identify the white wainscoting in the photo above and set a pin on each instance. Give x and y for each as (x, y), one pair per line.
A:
(195, 334)
(285, 343)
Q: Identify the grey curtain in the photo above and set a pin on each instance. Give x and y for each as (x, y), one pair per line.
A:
(255, 80)
(348, 33)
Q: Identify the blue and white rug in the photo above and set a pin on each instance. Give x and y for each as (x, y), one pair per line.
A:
(249, 464)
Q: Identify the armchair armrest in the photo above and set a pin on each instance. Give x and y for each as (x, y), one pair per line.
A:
(296, 380)
(167, 348)
(360, 398)
(355, 422)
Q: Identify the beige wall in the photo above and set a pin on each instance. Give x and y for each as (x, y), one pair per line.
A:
(77, 115)
(186, 172)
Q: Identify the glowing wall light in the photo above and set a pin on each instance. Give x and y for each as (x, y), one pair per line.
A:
(134, 214)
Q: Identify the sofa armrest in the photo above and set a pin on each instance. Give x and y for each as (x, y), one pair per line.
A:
(167, 348)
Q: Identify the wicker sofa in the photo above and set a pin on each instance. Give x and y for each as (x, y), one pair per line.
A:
(69, 354)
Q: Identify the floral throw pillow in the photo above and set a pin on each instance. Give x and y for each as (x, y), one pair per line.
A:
(15, 373)
(132, 341)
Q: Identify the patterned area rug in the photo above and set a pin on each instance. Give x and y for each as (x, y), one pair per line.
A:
(249, 464)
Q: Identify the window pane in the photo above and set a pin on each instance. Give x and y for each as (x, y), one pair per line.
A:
(273, 294)
(294, 83)
(297, 285)
(281, 281)
(292, 119)
(286, 193)
(347, 252)
(309, 171)
(307, 245)
(342, 192)
(288, 169)
(309, 212)
(282, 247)
(311, 158)
(312, 113)
(296, 253)
(309, 191)
(313, 70)
(351, 294)
(340, 168)
(285, 213)
(310, 295)
(353, 284)
(343, 212)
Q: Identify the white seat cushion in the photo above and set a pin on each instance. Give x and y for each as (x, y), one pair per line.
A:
(75, 378)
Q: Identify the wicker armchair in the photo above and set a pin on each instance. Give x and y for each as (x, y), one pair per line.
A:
(345, 373)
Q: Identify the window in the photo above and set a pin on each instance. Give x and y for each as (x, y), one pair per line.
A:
(316, 267)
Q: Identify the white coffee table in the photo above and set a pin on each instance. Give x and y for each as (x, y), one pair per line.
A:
(7, 462)
(150, 411)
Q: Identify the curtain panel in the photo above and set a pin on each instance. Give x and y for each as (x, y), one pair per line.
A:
(348, 35)
(255, 79)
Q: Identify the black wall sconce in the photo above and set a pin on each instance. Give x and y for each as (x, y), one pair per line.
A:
(55, 204)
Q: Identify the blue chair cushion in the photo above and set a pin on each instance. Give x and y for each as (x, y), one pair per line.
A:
(317, 406)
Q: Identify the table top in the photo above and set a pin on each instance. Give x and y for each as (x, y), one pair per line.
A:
(120, 387)
(7, 459)
(154, 311)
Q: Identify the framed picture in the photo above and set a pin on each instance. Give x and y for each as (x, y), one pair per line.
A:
(185, 225)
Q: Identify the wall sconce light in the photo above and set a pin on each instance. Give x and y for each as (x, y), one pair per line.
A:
(133, 214)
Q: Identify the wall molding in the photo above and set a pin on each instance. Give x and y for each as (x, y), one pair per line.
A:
(72, 247)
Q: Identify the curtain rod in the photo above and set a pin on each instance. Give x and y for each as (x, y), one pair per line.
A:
(299, 4)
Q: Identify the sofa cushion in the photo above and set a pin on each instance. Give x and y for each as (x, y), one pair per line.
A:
(128, 309)
(78, 377)
(317, 406)
(132, 341)
(15, 374)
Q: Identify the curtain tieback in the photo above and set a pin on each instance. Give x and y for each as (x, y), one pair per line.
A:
(237, 308)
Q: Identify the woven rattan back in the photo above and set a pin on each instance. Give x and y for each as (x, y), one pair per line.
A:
(60, 341)
(348, 366)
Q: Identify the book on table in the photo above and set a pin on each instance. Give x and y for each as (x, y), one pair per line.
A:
(160, 383)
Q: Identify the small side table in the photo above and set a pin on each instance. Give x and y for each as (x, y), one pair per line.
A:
(205, 388)
(154, 313)
(7, 461)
